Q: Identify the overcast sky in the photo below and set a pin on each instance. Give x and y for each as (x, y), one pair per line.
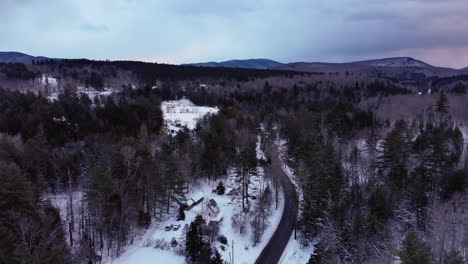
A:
(182, 31)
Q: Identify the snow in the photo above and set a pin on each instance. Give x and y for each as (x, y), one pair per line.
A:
(48, 80)
(93, 93)
(398, 62)
(153, 246)
(81, 90)
(152, 255)
(61, 201)
(260, 153)
(183, 113)
(281, 144)
(295, 252)
(244, 251)
(53, 97)
(143, 250)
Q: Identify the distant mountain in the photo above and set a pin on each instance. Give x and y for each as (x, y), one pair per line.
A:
(19, 57)
(249, 64)
(399, 67)
(395, 62)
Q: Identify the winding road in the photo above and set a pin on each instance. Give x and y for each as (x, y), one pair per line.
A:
(272, 252)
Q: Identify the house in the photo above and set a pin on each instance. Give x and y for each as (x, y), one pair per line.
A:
(212, 207)
(212, 213)
(195, 200)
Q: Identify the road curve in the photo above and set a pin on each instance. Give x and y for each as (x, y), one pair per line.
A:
(272, 252)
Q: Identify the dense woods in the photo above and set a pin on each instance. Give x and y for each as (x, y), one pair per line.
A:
(372, 190)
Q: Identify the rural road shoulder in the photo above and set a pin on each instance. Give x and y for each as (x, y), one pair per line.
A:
(272, 252)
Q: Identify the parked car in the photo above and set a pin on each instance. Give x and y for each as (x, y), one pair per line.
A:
(169, 227)
(176, 227)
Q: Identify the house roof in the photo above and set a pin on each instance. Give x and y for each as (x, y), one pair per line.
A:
(198, 196)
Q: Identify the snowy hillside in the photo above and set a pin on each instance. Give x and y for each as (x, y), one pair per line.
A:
(248, 64)
(395, 62)
(183, 113)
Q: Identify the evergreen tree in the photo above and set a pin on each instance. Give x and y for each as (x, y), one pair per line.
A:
(414, 250)
(393, 162)
(442, 103)
(321, 180)
(220, 189)
(196, 245)
(181, 214)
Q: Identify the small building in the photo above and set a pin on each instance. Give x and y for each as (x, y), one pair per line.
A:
(195, 200)
(212, 213)
(212, 207)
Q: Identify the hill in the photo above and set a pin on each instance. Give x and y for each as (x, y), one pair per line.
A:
(12, 56)
(248, 64)
(399, 68)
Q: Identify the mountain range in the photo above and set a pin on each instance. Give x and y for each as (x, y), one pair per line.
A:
(397, 67)
(249, 64)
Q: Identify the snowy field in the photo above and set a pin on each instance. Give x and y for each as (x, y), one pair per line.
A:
(183, 113)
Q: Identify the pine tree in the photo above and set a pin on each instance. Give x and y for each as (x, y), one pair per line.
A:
(181, 214)
(220, 189)
(197, 248)
(415, 251)
(392, 163)
(442, 103)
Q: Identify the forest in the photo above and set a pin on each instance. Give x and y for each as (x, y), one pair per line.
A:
(373, 189)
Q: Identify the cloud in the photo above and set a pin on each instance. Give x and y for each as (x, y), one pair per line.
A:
(94, 27)
(213, 7)
(183, 31)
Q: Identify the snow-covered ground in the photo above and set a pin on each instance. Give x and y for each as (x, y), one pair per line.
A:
(93, 93)
(180, 113)
(295, 252)
(67, 208)
(155, 243)
(151, 255)
(48, 80)
(144, 249)
(82, 90)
